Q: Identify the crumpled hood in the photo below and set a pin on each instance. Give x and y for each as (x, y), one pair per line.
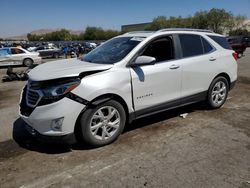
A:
(64, 68)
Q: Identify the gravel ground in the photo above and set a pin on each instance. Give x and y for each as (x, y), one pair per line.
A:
(208, 148)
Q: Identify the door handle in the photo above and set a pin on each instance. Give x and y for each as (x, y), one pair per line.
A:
(174, 67)
(212, 59)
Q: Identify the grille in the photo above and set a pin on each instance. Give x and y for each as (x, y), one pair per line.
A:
(33, 95)
(24, 108)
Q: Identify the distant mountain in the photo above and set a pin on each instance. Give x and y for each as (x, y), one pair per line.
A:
(42, 31)
(45, 31)
(39, 32)
(21, 37)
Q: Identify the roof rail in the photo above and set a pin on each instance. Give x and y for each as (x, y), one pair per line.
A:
(185, 29)
(134, 32)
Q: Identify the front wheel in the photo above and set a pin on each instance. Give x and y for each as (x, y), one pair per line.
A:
(218, 92)
(103, 123)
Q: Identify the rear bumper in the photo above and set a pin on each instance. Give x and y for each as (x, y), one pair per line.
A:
(37, 60)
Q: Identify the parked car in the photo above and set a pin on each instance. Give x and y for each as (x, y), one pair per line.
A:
(18, 56)
(128, 77)
(247, 40)
(49, 51)
(238, 44)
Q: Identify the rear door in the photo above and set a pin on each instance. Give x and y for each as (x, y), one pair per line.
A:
(156, 86)
(198, 65)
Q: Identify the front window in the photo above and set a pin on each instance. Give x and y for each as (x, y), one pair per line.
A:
(112, 51)
(161, 49)
(17, 51)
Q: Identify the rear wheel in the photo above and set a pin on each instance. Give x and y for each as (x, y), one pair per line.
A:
(28, 62)
(102, 124)
(218, 92)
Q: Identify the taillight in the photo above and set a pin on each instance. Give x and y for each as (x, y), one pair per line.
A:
(235, 55)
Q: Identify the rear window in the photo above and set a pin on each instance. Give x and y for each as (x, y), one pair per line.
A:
(222, 41)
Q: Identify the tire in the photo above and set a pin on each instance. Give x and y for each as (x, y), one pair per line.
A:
(97, 128)
(218, 92)
(240, 54)
(56, 55)
(28, 62)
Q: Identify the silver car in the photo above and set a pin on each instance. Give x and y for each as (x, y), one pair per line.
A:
(18, 56)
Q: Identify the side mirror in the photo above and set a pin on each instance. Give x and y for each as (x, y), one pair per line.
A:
(144, 60)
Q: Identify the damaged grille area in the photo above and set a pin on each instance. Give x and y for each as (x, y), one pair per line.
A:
(32, 97)
(24, 108)
(33, 94)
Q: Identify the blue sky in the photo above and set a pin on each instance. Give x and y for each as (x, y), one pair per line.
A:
(19, 17)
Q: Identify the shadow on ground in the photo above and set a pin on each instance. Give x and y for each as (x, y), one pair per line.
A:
(24, 141)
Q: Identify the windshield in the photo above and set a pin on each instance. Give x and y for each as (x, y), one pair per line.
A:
(4, 52)
(112, 51)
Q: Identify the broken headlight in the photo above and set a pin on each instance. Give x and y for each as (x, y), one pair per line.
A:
(53, 92)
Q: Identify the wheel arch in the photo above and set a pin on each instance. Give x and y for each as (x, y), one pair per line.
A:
(225, 75)
(106, 97)
(97, 101)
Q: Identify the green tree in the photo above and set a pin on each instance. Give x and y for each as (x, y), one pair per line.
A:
(111, 33)
(236, 23)
(241, 32)
(159, 22)
(217, 19)
(200, 20)
(90, 33)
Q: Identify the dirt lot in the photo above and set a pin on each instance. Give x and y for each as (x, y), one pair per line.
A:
(206, 149)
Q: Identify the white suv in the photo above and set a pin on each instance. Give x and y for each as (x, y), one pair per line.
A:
(126, 78)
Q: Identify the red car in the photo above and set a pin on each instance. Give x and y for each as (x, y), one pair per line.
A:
(238, 44)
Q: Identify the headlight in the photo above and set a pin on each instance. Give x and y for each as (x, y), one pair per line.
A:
(60, 90)
(55, 90)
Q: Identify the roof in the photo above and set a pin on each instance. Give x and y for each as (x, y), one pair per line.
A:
(149, 33)
(139, 33)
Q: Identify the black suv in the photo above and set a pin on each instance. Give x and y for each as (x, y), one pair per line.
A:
(49, 51)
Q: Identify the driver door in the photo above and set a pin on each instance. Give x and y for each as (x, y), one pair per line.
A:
(157, 87)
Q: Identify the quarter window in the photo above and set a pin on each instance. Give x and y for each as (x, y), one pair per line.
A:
(206, 46)
(222, 41)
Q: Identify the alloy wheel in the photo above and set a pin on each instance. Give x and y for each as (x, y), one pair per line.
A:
(219, 93)
(105, 122)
